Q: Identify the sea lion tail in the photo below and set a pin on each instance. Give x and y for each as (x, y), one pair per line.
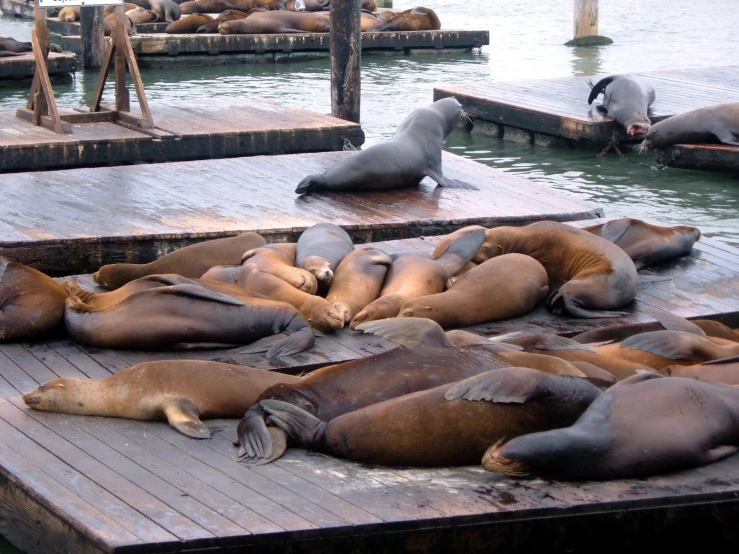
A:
(311, 183)
(305, 429)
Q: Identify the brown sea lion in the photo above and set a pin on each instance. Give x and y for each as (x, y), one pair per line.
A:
(109, 24)
(358, 281)
(140, 15)
(180, 391)
(430, 360)
(109, 10)
(502, 287)
(246, 5)
(413, 275)
(320, 250)
(452, 424)
(279, 260)
(188, 316)
(191, 261)
(415, 19)
(727, 373)
(206, 6)
(718, 123)
(647, 244)
(321, 315)
(69, 14)
(369, 5)
(277, 22)
(588, 276)
(188, 24)
(228, 15)
(31, 303)
(646, 425)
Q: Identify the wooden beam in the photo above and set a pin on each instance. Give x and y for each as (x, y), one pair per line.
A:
(92, 36)
(346, 55)
(586, 18)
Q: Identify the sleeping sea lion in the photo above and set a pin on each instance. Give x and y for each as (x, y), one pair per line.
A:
(109, 24)
(647, 244)
(11, 46)
(450, 425)
(180, 391)
(228, 15)
(246, 5)
(190, 261)
(320, 250)
(308, 5)
(140, 15)
(279, 260)
(727, 373)
(31, 303)
(626, 99)
(718, 123)
(188, 24)
(69, 14)
(206, 6)
(413, 153)
(645, 425)
(588, 276)
(277, 22)
(415, 19)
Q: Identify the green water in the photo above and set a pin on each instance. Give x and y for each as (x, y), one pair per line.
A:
(7, 548)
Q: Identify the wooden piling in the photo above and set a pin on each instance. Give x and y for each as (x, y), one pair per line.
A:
(586, 18)
(346, 54)
(92, 36)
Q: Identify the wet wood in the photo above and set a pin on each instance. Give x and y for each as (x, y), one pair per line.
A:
(585, 18)
(346, 57)
(24, 66)
(92, 41)
(708, 157)
(559, 107)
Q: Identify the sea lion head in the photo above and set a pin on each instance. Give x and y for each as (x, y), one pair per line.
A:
(54, 396)
(492, 246)
(654, 139)
(319, 267)
(451, 112)
(68, 14)
(325, 317)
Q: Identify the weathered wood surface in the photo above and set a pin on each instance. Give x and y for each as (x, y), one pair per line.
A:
(23, 67)
(137, 213)
(188, 129)
(710, 157)
(173, 45)
(18, 8)
(559, 107)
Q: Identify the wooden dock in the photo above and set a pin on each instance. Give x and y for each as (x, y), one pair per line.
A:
(185, 130)
(137, 213)
(23, 67)
(18, 8)
(555, 112)
(709, 157)
(88, 484)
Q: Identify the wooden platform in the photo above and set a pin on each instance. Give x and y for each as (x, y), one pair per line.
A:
(185, 130)
(18, 8)
(72, 28)
(710, 157)
(556, 111)
(163, 48)
(84, 484)
(137, 213)
(23, 67)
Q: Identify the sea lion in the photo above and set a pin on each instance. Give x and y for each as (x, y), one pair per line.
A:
(180, 391)
(321, 315)
(588, 276)
(429, 360)
(206, 6)
(320, 250)
(31, 303)
(109, 24)
(413, 153)
(12, 46)
(189, 316)
(166, 10)
(718, 123)
(308, 5)
(647, 244)
(415, 19)
(450, 425)
(246, 5)
(501, 287)
(412, 275)
(369, 5)
(69, 14)
(727, 373)
(358, 281)
(277, 22)
(279, 260)
(228, 15)
(626, 99)
(643, 426)
(189, 261)
(188, 24)
(109, 10)
(140, 15)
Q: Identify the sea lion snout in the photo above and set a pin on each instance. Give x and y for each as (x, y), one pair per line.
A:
(31, 400)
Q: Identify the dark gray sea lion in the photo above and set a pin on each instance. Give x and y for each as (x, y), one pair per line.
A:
(718, 123)
(320, 250)
(450, 425)
(645, 425)
(166, 10)
(413, 153)
(626, 99)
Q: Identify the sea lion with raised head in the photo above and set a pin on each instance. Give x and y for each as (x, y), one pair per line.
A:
(31, 303)
(499, 288)
(626, 100)
(277, 22)
(188, 24)
(190, 261)
(320, 250)
(588, 276)
(189, 316)
(166, 10)
(645, 425)
(415, 19)
(228, 15)
(647, 244)
(358, 281)
(450, 425)
(413, 153)
(180, 391)
(718, 123)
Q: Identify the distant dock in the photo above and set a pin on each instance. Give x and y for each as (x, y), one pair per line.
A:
(23, 67)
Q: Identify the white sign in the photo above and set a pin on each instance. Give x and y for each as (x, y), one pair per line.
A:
(65, 3)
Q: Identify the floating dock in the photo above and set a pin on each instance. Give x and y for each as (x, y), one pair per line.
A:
(18, 8)
(185, 130)
(162, 50)
(710, 157)
(23, 67)
(103, 485)
(555, 112)
(137, 213)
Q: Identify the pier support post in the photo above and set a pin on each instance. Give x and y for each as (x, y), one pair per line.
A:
(346, 55)
(586, 18)
(92, 36)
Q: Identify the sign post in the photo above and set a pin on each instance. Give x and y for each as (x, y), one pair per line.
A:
(41, 108)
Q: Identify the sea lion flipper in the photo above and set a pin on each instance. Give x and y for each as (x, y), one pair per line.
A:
(442, 181)
(659, 343)
(512, 385)
(720, 452)
(261, 345)
(197, 291)
(727, 360)
(296, 342)
(641, 376)
(254, 440)
(279, 445)
(184, 416)
(597, 88)
(303, 428)
(673, 322)
(411, 332)
(562, 304)
(171, 279)
(613, 230)
(462, 249)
